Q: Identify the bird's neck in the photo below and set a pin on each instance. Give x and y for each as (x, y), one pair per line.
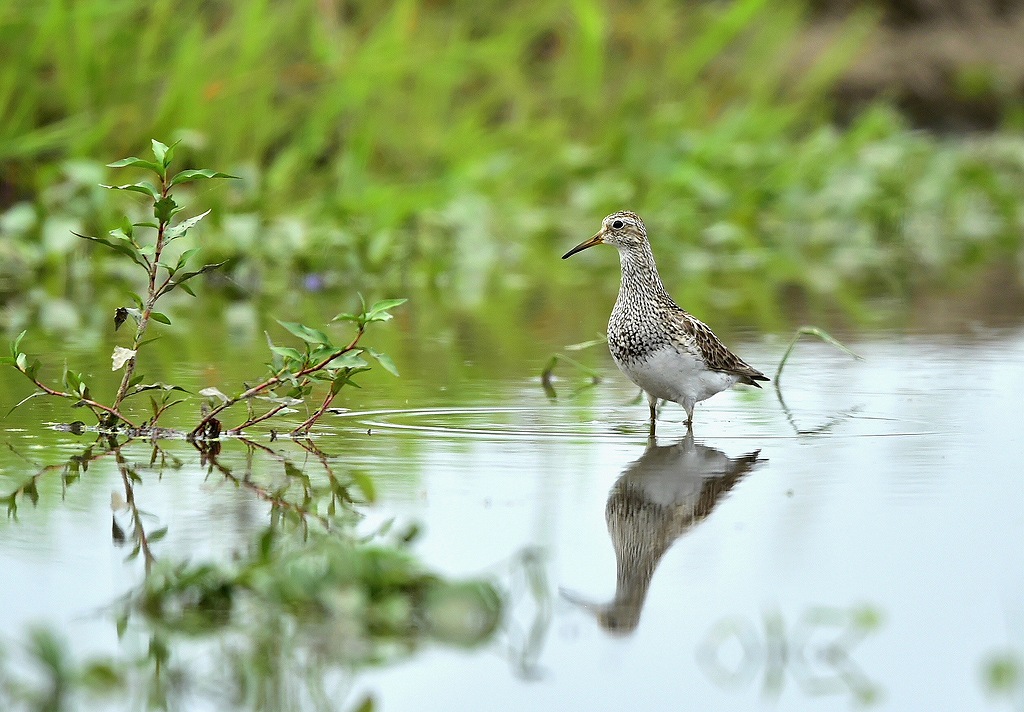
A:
(640, 278)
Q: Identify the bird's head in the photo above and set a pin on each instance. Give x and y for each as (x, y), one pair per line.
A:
(624, 230)
(618, 617)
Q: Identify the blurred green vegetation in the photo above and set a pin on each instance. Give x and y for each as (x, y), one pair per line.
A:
(452, 150)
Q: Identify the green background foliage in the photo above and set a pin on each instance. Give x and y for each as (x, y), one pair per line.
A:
(450, 151)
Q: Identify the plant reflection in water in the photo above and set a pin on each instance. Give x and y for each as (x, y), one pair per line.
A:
(816, 652)
(284, 624)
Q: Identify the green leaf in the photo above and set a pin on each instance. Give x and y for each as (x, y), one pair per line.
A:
(166, 387)
(16, 344)
(365, 483)
(345, 316)
(101, 677)
(142, 187)
(136, 298)
(158, 534)
(307, 334)
(379, 311)
(385, 361)
(290, 470)
(266, 543)
(351, 359)
(164, 209)
(386, 304)
(179, 230)
(160, 150)
(191, 175)
(282, 400)
(157, 316)
(180, 281)
(170, 152)
(173, 403)
(133, 161)
(367, 705)
(600, 340)
(26, 399)
(122, 246)
(276, 361)
(119, 234)
(322, 352)
(288, 352)
(185, 257)
(338, 383)
(32, 492)
(154, 191)
(71, 379)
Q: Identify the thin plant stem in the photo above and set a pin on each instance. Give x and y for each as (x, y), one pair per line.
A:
(93, 405)
(810, 331)
(154, 292)
(275, 380)
(267, 495)
(129, 496)
(259, 419)
(304, 427)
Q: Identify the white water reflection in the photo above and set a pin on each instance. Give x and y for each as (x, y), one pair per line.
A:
(907, 505)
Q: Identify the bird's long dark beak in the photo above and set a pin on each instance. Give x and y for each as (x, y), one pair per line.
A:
(595, 240)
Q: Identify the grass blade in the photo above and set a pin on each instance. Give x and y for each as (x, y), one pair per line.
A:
(811, 331)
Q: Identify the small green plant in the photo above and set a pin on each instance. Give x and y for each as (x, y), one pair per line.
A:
(548, 374)
(293, 372)
(823, 335)
(810, 331)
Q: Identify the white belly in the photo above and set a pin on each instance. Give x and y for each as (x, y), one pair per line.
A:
(677, 377)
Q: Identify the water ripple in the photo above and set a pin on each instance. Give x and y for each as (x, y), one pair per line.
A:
(575, 423)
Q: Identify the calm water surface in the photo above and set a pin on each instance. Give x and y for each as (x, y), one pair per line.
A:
(855, 545)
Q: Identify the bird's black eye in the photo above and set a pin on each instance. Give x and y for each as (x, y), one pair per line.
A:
(617, 225)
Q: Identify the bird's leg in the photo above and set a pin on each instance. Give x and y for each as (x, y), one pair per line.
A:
(688, 407)
(652, 401)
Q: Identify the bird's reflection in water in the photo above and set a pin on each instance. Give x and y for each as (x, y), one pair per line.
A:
(659, 497)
